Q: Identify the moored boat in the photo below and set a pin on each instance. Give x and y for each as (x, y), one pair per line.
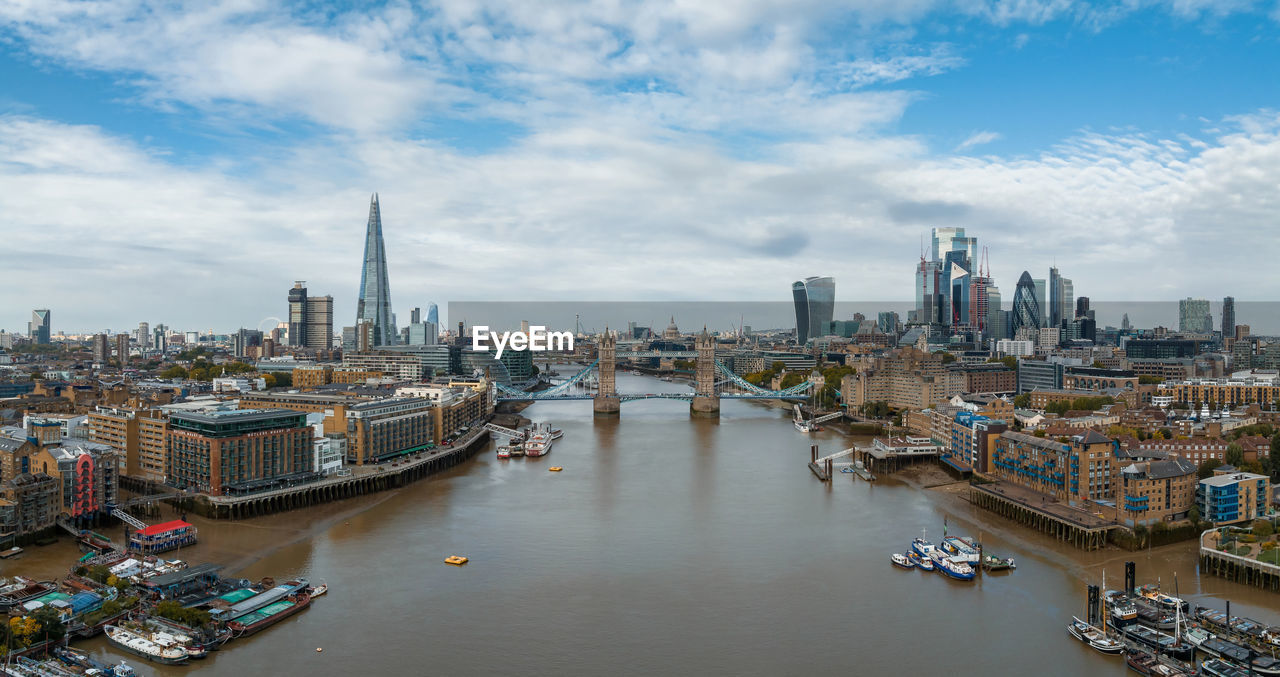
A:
(1265, 665)
(993, 563)
(922, 547)
(1230, 651)
(961, 549)
(538, 445)
(269, 615)
(142, 647)
(1094, 637)
(1145, 663)
(922, 563)
(1122, 610)
(902, 561)
(1216, 667)
(1170, 603)
(1158, 641)
(504, 451)
(951, 568)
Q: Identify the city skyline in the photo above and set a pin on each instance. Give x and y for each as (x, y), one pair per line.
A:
(833, 144)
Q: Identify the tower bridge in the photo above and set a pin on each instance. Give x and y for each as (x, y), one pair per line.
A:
(711, 380)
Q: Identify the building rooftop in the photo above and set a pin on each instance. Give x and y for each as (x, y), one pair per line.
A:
(1159, 470)
(1226, 479)
(1042, 442)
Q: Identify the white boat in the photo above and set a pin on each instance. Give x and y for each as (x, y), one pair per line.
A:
(538, 445)
(140, 646)
(902, 561)
(1094, 637)
(951, 568)
(504, 451)
(319, 590)
(557, 434)
(803, 426)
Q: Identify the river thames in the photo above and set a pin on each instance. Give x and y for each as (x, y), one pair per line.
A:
(668, 545)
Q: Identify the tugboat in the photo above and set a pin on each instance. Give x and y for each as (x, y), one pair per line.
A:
(902, 561)
(1094, 637)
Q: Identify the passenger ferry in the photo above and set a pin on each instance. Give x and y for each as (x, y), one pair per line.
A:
(538, 445)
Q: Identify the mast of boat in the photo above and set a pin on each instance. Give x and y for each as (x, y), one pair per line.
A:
(1104, 601)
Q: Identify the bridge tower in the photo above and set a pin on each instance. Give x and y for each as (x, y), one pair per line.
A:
(705, 399)
(606, 401)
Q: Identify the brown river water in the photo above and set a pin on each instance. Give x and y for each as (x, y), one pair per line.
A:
(668, 545)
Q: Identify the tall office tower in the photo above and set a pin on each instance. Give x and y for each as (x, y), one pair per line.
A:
(101, 349)
(144, 335)
(800, 297)
(1060, 293)
(160, 338)
(433, 314)
(1082, 307)
(245, 339)
(1042, 301)
(374, 304)
(1067, 293)
(1228, 317)
(815, 301)
(38, 327)
(319, 322)
(1124, 323)
(955, 271)
(298, 314)
(122, 349)
(310, 319)
(1194, 317)
(423, 334)
(1026, 305)
(415, 316)
(930, 293)
(995, 327)
(1055, 297)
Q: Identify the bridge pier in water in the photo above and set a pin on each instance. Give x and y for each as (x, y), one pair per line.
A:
(606, 402)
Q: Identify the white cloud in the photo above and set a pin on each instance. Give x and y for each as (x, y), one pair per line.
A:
(977, 139)
(629, 218)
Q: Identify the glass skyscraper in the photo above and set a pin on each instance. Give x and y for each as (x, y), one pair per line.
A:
(1194, 317)
(375, 293)
(1026, 307)
(815, 302)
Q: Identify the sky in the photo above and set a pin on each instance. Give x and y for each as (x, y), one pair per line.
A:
(184, 165)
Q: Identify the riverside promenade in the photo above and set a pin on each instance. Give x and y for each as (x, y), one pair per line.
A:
(358, 481)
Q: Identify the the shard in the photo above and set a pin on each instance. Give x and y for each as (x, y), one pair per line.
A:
(374, 305)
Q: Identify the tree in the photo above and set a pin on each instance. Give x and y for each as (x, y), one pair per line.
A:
(269, 380)
(176, 371)
(947, 358)
(1009, 361)
(1140, 530)
(1149, 380)
(1206, 468)
(1263, 529)
(1193, 516)
(1235, 455)
(1022, 401)
(793, 378)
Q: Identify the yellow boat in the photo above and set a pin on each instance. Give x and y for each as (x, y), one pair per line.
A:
(457, 560)
(555, 468)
